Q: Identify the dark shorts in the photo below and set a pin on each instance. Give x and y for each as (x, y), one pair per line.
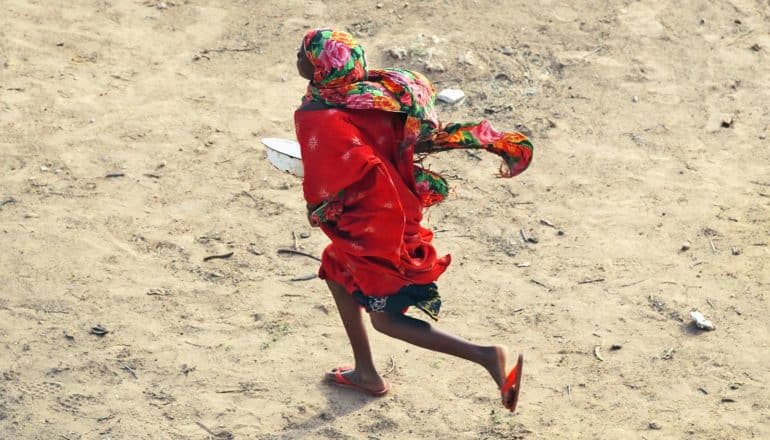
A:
(423, 296)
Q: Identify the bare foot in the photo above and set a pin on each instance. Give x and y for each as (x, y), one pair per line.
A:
(373, 383)
(497, 359)
(496, 362)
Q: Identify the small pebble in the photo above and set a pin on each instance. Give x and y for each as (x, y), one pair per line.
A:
(635, 98)
(737, 251)
(685, 246)
(655, 426)
(43, 168)
(398, 53)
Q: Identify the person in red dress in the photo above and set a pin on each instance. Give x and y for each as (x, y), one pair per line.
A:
(359, 130)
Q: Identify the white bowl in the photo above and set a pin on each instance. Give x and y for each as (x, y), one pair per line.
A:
(285, 155)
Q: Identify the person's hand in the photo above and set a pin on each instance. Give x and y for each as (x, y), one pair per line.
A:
(310, 219)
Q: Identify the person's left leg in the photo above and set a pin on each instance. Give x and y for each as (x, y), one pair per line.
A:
(417, 332)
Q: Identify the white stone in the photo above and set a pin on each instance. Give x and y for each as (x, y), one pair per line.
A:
(451, 96)
(700, 321)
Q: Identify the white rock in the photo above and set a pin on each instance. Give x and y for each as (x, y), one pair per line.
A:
(700, 321)
(451, 96)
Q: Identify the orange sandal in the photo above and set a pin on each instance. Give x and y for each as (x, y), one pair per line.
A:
(341, 381)
(512, 386)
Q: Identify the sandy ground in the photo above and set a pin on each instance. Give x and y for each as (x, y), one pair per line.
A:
(650, 120)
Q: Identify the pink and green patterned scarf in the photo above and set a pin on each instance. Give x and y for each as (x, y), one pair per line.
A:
(341, 79)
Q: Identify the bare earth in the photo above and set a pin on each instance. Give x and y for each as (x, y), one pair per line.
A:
(650, 121)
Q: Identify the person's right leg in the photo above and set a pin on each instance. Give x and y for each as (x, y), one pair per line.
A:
(365, 374)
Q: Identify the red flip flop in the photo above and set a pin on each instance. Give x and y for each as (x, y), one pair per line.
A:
(512, 386)
(341, 381)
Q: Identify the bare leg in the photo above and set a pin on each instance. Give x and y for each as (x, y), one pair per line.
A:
(364, 374)
(423, 334)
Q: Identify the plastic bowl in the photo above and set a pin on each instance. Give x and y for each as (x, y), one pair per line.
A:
(285, 155)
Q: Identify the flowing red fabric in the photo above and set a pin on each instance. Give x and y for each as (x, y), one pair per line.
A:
(377, 244)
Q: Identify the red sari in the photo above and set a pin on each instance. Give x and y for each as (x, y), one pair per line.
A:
(377, 244)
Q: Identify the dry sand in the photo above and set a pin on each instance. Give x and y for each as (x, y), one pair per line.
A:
(650, 120)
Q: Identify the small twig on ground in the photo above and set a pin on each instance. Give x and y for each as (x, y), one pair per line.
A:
(295, 252)
(740, 37)
(249, 195)
(593, 52)
(242, 389)
(756, 182)
(713, 248)
(118, 174)
(518, 310)
(294, 238)
(196, 345)
(598, 354)
(596, 280)
(130, 370)
(545, 222)
(222, 256)
(256, 49)
(305, 277)
(569, 391)
(534, 281)
(391, 368)
(225, 435)
(633, 284)
(7, 201)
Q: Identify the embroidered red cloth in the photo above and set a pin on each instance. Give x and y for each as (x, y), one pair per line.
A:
(370, 214)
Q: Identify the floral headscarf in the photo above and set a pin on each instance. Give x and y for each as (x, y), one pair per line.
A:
(341, 79)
